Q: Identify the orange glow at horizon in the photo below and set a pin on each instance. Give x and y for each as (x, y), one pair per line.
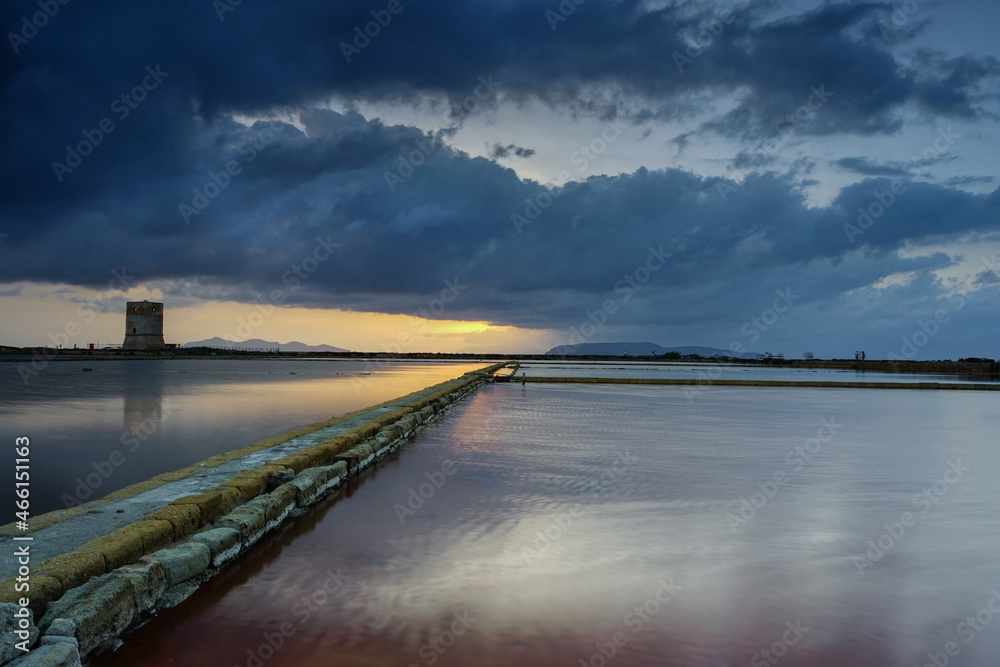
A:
(38, 315)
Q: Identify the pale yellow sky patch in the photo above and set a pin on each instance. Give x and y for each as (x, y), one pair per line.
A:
(34, 314)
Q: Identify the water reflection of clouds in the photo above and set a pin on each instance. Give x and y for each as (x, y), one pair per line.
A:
(665, 517)
(710, 371)
(213, 405)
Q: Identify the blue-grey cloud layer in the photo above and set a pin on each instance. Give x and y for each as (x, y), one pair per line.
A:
(394, 241)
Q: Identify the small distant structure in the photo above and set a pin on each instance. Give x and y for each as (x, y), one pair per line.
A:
(143, 326)
(808, 355)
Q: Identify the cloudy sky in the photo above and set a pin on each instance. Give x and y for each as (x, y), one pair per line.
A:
(506, 175)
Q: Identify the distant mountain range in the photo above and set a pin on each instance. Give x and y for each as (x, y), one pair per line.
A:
(640, 350)
(258, 344)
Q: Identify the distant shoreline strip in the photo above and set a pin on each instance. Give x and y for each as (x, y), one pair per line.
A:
(966, 386)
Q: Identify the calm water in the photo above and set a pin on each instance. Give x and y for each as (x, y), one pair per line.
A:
(559, 520)
(730, 372)
(161, 415)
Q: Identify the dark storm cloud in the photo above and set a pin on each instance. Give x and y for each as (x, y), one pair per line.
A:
(960, 181)
(261, 56)
(866, 167)
(357, 214)
(387, 214)
(746, 160)
(955, 87)
(511, 149)
(987, 278)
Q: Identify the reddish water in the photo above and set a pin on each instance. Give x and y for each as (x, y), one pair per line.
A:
(575, 523)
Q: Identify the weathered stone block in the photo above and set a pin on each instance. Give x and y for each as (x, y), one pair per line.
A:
(284, 496)
(62, 626)
(249, 485)
(48, 640)
(379, 442)
(275, 511)
(183, 562)
(393, 432)
(297, 462)
(223, 544)
(148, 580)
(276, 479)
(184, 518)
(335, 474)
(314, 482)
(246, 519)
(54, 655)
(214, 502)
(305, 489)
(72, 569)
(121, 547)
(156, 534)
(100, 609)
(357, 457)
(408, 423)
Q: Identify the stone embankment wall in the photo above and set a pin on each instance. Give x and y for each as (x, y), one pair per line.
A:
(89, 597)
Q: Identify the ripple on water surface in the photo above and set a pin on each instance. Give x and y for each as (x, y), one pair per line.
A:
(558, 519)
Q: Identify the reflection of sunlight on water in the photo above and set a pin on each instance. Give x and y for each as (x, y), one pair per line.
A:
(162, 415)
(550, 571)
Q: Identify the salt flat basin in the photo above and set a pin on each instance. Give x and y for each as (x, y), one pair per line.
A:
(160, 415)
(562, 523)
(724, 371)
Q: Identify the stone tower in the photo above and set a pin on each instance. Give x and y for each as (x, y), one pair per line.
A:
(143, 326)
